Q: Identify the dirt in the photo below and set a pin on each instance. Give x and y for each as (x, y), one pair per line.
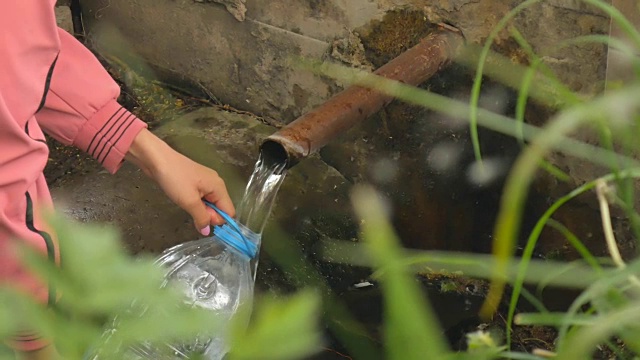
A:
(66, 161)
(349, 50)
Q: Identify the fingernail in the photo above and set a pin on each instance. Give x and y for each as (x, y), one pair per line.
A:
(205, 230)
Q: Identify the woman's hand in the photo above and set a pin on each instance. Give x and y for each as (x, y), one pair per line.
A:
(183, 180)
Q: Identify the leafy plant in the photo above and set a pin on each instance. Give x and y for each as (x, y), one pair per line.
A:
(98, 282)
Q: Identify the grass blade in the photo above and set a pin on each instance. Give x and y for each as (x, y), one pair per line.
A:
(411, 329)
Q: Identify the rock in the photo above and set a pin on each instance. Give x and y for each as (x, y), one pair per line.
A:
(251, 64)
(63, 18)
(237, 8)
(350, 51)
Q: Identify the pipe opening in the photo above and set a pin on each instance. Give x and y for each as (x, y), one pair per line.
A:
(274, 152)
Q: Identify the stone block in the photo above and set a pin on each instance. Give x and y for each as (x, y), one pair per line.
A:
(63, 18)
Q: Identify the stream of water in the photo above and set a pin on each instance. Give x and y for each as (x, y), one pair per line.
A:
(260, 196)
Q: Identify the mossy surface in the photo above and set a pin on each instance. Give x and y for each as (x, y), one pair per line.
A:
(398, 31)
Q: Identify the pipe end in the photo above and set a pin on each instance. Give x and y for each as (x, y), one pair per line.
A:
(274, 152)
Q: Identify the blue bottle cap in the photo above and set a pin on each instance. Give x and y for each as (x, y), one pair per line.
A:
(231, 234)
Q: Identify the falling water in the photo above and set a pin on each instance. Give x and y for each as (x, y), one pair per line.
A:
(260, 193)
(259, 197)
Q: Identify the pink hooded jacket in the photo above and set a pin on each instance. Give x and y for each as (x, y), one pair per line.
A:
(48, 82)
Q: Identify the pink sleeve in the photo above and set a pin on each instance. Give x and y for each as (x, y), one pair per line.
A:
(81, 106)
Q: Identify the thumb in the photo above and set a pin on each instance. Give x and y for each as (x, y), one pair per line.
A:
(201, 217)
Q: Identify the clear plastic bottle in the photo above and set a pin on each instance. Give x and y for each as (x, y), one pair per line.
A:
(215, 274)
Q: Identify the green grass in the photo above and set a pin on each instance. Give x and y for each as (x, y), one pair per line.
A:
(613, 115)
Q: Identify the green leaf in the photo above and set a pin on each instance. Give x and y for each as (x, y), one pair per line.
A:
(99, 282)
(483, 342)
(283, 329)
(411, 328)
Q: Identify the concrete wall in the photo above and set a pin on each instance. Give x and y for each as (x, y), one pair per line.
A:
(249, 63)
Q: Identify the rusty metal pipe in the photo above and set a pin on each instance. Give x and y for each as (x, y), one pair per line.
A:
(310, 132)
